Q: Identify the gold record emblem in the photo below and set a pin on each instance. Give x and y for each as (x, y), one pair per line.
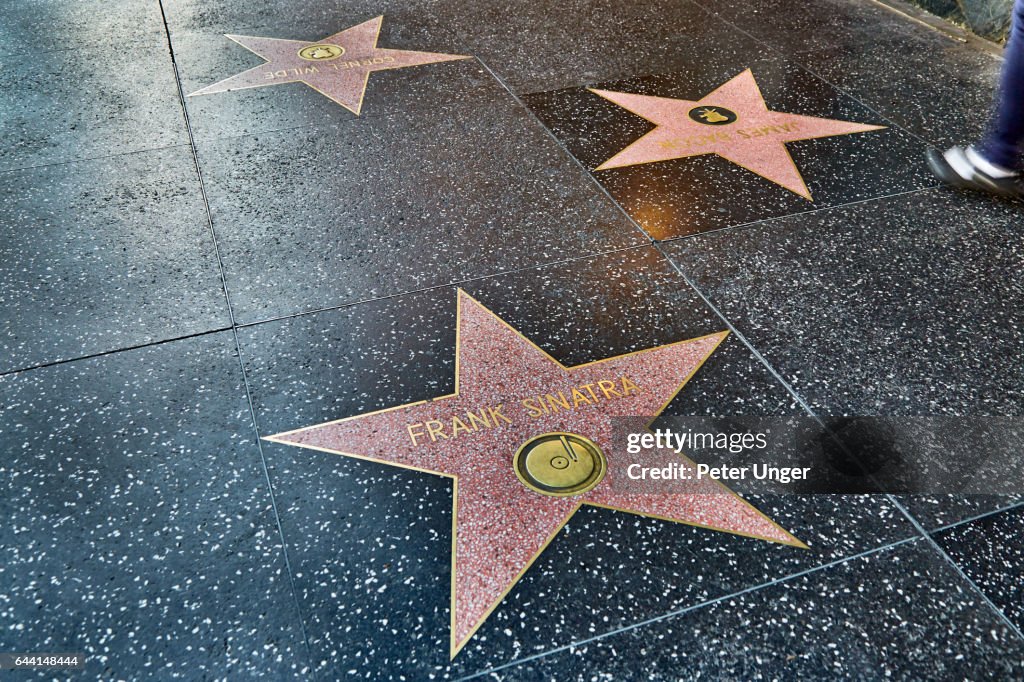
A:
(559, 464)
(322, 52)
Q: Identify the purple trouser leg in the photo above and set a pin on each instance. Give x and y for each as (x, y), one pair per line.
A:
(1003, 143)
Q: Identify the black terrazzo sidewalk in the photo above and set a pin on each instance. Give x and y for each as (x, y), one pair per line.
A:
(181, 277)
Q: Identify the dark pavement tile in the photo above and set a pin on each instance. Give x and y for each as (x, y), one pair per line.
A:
(978, 460)
(900, 614)
(35, 26)
(105, 254)
(990, 551)
(87, 103)
(749, 391)
(371, 549)
(206, 57)
(684, 196)
(138, 525)
(371, 544)
(821, 24)
(410, 17)
(608, 570)
(935, 87)
(537, 47)
(908, 305)
(937, 511)
(942, 466)
(379, 208)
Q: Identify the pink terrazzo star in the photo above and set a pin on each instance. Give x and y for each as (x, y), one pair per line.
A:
(733, 122)
(338, 66)
(500, 526)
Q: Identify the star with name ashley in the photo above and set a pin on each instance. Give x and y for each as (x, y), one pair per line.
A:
(507, 392)
(734, 122)
(338, 67)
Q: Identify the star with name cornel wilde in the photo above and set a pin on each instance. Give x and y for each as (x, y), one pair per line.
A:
(338, 67)
(527, 441)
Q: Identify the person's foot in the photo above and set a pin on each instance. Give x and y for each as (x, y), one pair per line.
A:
(966, 169)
